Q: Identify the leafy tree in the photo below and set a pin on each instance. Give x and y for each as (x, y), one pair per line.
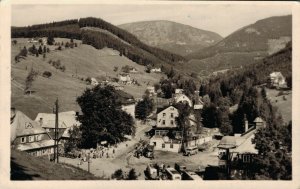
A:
(50, 40)
(274, 153)
(48, 50)
(118, 175)
(209, 115)
(74, 139)
(30, 78)
(40, 51)
(44, 50)
(183, 121)
(23, 52)
(103, 119)
(144, 107)
(132, 175)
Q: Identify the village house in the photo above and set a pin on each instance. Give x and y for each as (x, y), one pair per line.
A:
(178, 91)
(182, 98)
(125, 78)
(94, 81)
(27, 135)
(155, 70)
(166, 117)
(66, 121)
(276, 79)
(133, 70)
(151, 90)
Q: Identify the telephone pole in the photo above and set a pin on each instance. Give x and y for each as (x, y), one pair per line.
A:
(56, 132)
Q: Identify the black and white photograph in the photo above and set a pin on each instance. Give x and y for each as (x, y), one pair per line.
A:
(151, 91)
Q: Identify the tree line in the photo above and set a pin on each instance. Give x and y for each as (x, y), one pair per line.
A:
(130, 38)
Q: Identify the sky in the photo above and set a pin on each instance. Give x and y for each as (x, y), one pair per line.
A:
(222, 19)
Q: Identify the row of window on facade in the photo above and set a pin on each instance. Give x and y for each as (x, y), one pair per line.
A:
(42, 152)
(172, 115)
(164, 122)
(163, 145)
(33, 138)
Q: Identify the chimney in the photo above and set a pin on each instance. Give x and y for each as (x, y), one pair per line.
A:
(41, 121)
(246, 125)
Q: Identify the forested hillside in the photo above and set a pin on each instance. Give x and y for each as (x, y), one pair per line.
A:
(134, 50)
(258, 37)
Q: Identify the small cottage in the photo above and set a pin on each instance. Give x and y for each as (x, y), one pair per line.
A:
(276, 79)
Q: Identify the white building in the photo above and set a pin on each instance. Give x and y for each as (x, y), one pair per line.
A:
(27, 135)
(155, 70)
(178, 91)
(166, 117)
(125, 78)
(94, 81)
(277, 80)
(163, 143)
(182, 98)
(151, 90)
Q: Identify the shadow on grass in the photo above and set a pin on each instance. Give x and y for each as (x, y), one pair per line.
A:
(18, 172)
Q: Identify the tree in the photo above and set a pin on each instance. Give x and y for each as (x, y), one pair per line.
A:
(103, 119)
(209, 115)
(132, 175)
(183, 120)
(118, 175)
(74, 139)
(30, 78)
(171, 73)
(40, 51)
(48, 50)
(289, 81)
(44, 50)
(144, 107)
(50, 40)
(274, 152)
(23, 52)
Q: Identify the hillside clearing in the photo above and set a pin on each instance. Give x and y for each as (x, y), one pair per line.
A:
(80, 62)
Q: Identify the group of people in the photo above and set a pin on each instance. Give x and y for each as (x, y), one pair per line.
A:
(100, 152)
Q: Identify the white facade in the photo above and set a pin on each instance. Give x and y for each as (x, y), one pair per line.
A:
(155, 70)
(277, 79)
(94, 82)
(165, 144)
(183, 99)
(125, 78)
(166, 118)
(130, 109)
(151, 90)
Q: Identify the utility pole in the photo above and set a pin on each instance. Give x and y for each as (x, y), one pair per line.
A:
(56, 132)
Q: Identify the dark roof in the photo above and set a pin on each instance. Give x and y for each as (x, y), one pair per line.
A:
(160, 109)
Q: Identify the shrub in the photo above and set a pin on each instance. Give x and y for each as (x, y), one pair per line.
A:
(88, 80)
(118, 174)
(47, 74)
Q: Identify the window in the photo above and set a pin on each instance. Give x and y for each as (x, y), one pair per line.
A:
(23, 140)
(164, 122)
(163, 145)
(172, 115)
(171, 145)
(38, 137)
(31, 138)
(172, 122)
(164, 114)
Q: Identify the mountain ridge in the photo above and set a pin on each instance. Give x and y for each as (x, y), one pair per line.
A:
(172, 36)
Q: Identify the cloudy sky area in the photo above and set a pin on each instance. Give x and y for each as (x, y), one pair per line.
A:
(222, 19)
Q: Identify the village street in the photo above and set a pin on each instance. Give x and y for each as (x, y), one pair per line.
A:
(120, 159)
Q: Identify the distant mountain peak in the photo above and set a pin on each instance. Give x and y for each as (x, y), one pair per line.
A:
(172, 36)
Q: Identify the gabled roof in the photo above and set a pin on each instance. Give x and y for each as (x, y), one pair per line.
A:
(163, 108)
(227, 142)
(258, 120)
(24, 125)
(65, 119)
(35, 145)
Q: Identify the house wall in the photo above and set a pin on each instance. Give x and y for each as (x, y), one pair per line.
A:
(41, 152)
(130, 109)
(166, 117)
(37, 137)
(158, 145)
(183, 98)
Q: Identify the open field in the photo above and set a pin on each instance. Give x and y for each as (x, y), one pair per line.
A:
(80, 62)
(283, 102)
